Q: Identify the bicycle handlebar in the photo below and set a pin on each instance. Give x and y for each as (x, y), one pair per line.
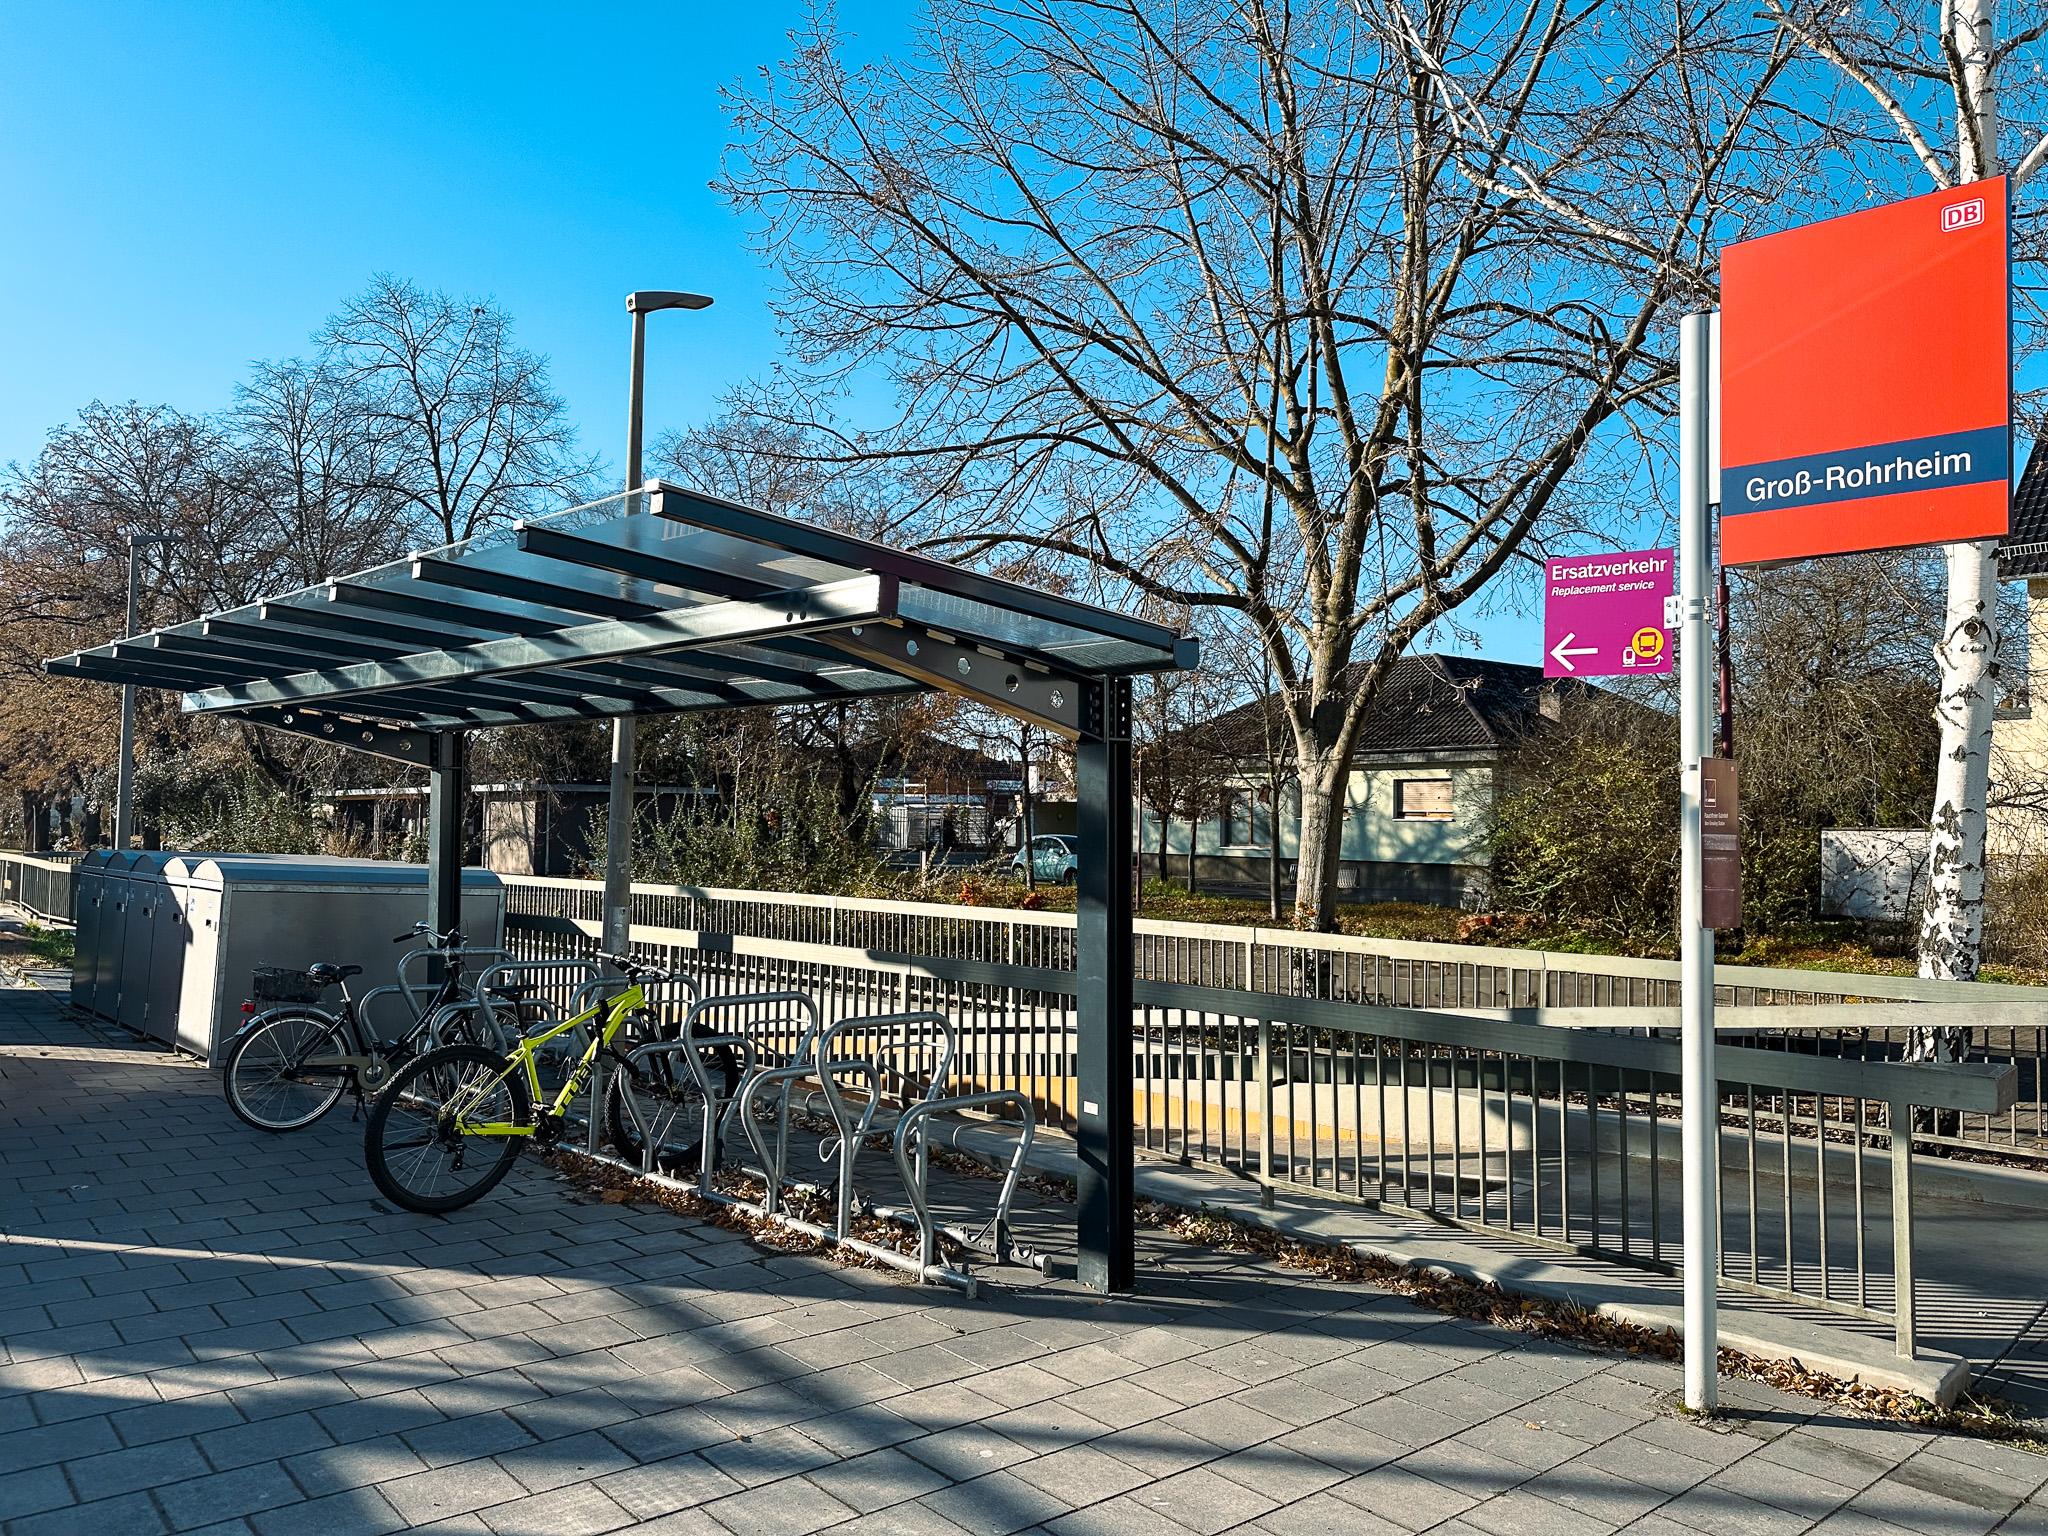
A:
(452, 939)
(635, 967)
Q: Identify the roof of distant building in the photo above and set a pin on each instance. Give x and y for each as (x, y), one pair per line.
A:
(2024, 549)
(1428, 702)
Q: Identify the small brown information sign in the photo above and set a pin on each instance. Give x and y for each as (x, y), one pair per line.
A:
(1720, 845)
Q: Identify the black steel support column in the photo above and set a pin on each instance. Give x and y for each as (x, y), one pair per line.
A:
(1102, 985)
(447, 801)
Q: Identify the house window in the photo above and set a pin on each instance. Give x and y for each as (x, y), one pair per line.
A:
(1422, 799)
(1240, 819)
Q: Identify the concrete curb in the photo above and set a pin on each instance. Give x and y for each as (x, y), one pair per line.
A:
(1642, 1298)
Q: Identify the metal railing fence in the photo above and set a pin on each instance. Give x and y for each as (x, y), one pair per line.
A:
(41, 884)
(1560, 1137)
(1983, 1022)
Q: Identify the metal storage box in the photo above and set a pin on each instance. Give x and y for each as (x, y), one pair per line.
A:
(149, 944)
(109, 961)
(238, 911)
(90, 893)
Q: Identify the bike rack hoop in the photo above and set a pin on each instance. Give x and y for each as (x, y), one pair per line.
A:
(942, 1072)
(993, 1239)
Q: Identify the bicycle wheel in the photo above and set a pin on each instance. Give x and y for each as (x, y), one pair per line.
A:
(266, 1078)
(417, 1143)
(662, 1094)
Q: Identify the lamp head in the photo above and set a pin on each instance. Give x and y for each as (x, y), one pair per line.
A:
(647, 300)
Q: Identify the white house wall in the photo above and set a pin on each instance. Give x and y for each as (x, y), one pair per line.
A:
(1372, 833)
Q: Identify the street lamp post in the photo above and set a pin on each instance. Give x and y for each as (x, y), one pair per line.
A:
(618, 841)
(124, 766)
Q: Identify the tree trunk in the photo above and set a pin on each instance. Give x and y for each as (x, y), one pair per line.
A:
(1320, 843)
(1194, 837)
(1272, 841)
(1952, 923)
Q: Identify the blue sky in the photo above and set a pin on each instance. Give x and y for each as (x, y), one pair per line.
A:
(193, 186)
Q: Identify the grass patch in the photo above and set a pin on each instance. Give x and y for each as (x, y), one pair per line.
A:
(52, 946)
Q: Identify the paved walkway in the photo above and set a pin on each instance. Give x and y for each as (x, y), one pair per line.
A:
(210, 1329)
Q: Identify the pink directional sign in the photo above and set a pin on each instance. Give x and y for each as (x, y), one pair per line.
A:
(1603, 615)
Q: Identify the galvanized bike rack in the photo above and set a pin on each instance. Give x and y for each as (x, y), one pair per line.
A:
(853, 1124)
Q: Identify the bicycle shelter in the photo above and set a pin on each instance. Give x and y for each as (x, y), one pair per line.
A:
(663, 600)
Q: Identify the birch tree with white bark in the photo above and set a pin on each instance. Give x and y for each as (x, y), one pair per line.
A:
(1311, 318)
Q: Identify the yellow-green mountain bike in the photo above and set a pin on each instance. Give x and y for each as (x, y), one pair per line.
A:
(449, 1124)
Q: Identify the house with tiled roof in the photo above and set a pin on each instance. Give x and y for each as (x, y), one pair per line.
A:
(2019, 740)
(1434, 752)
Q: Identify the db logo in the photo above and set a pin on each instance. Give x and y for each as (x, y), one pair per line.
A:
(1963, 215)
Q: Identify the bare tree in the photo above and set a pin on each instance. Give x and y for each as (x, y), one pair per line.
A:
(468, 434)
(1313, 318)
(312, 463)
(1928, 86)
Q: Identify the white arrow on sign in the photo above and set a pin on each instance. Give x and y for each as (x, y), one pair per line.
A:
(1563, 652)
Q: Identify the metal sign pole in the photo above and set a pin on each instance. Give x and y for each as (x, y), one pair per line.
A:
(1700, 1088)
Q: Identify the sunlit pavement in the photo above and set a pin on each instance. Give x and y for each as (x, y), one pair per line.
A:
(211, 1329)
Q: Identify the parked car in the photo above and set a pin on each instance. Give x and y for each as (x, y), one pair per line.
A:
(1054, 857)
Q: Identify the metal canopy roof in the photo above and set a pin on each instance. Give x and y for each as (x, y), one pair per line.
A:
(649, 602)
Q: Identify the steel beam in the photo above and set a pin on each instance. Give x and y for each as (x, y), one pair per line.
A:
(411, 637)
(1103, 958)
(526, 589)
(1057, 701)
(862, 599)
(376, 737)
(701, 511)
(624, 560)
(447, 794)
(442, 610)
(592, 695)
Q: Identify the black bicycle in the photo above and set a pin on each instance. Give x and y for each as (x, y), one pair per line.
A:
(291, 1064)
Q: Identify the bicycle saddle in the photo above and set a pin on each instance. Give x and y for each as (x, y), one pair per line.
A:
(325, 975)
(512, 992)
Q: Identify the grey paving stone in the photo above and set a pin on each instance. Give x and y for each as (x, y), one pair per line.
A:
(879, 1479)
(970, 1451)
(1710, 1509)
(578, 1510)
(1988, 1488)
(766, 1458)
(1893, 1499)
(1229, 1424)
(224, 1495)
(354, 1465)
(1769, 1482)
(1405, 1499)
(792, 1507)
(47, 1444)
(1466, 1468)
(1085, 1474)
(33, 1491)
(1124, 1516)
(457, 1490)
(265, 1440)
(132, 1514)
(353, 1512)
(662, 1487)
(1203, 1500)
(996, 1505)
(1327, 1515)
(127, 1471)
(550, 1464)
(854, 1431)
